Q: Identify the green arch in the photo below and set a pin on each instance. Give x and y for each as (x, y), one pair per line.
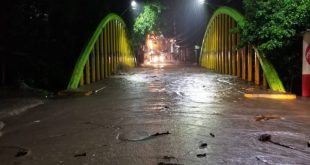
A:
(270, 72)
(84, 56)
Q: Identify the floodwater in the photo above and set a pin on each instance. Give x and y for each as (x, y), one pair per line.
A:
(161, 115)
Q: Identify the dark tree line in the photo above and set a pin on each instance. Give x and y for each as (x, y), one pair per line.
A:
(276, 28)
(40, 40)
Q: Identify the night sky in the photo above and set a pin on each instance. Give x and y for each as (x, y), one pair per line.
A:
(40, 40)
(190, 18)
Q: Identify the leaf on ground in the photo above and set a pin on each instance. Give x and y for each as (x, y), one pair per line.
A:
(160, 134)
(80, 154)
(168, 157)
(163, 163)
(265, 118)
(21, 153)
(201, 155)
(203, 145)
(264, 137)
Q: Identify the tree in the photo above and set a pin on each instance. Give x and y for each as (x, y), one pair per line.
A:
(273, 24)
(275, 28)
(147, 22)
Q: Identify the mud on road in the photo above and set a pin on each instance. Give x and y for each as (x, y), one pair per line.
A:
(161, 115)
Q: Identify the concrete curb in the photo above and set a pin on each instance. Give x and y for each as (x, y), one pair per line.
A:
(74, 93)
(284, 96)
(79, 92)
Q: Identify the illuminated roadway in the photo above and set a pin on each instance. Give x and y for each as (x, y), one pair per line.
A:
(157, 115)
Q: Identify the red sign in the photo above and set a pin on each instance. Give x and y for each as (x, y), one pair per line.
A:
(308, 54)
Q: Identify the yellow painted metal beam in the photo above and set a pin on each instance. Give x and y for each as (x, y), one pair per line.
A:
(93, 66)
(238, 57)
(233, 50)
(102, 56)
(257, 69)
(243, 61)
(87, 72)
(250, 63)
(98, 61)
(82, 80)
(106, 56)
(106, 48)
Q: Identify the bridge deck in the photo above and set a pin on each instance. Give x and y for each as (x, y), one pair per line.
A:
(126, 122)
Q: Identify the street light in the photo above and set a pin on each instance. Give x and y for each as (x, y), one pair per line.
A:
(201, 2)
(133, 4)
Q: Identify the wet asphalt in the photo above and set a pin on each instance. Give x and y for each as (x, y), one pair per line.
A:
(161, 115)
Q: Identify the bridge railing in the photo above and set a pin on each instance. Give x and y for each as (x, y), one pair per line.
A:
(220, 52)
(107, 48)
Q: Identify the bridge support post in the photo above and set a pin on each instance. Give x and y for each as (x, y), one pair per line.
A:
(82, 80)
(93, 67)
(109, 50)
(243, 59)
(87, 71)
(229, 46)
(98, 61)
(238, 58)
(250, 63)
(257, 69)
(101, 57)
(233, 50)
(216, 44)
(106, 58)
(222, 43)
(226, 44)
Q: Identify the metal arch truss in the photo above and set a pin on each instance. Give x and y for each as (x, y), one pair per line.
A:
(219, 52)
(107, 48)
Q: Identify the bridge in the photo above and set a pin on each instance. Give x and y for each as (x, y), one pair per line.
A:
(175, 114)
(109, 47)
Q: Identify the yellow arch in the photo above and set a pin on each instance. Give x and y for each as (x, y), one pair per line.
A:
(92, 46)
(269, 72)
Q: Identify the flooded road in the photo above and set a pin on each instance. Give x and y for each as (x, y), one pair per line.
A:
(161, 115)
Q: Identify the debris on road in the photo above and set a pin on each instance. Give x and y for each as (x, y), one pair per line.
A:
(163, 163)
(267, 138)
(95, 124)
(160, 134)
(80, 154)
(264, 137)
(1, 127)
(203, 145)
(265, 118)
(21, 151)
(139, 135)
(212, 135)
(201, 155)
(74, 93)
(168, 157)
(98, 90)
(166, 107)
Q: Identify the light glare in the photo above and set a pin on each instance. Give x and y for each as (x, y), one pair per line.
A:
(133, 4)
(201, 2)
